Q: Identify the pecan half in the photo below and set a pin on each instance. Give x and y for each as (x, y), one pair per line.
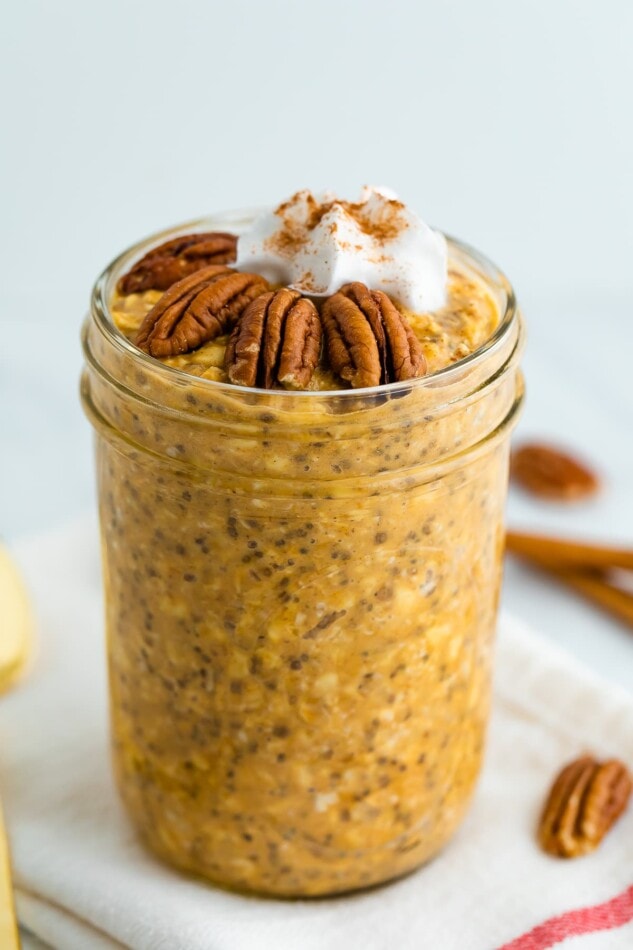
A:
(369, 342)
(197, 309)
(550, 473)
(169, 262)
(586, 800)
(276, 342)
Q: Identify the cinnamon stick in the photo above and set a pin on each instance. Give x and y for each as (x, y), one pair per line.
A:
(600, 591)
(584, 567)
(561, 553)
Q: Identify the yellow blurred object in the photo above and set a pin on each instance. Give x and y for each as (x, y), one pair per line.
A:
(9, 939)
(16, 622)
(16, 648)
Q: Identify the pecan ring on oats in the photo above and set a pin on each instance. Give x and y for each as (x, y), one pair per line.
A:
(170, 262)
(197, 309)
(277, 341)
(369, 341)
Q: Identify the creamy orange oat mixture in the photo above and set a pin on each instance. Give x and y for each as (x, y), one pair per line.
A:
(301, 593)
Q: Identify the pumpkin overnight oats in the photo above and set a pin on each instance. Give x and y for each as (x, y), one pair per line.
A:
(302, 443)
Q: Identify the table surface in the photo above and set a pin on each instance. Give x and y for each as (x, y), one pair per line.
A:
(579, 394)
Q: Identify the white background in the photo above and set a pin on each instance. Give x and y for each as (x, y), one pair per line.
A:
(505, 123)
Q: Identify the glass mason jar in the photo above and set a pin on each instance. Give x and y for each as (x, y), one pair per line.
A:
(301, 593)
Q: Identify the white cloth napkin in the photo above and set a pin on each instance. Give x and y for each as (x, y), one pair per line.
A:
(84, 882)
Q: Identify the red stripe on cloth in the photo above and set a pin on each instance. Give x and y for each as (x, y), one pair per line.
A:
(587, 920)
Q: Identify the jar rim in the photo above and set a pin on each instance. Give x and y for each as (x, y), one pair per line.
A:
(101, 312)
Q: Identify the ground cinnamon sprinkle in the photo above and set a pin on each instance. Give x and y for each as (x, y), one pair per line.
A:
(294, 235)
(307, 281)
(286, 242)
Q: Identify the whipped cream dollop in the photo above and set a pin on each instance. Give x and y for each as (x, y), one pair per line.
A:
(317, 243)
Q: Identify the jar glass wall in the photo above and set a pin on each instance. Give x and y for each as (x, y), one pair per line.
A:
(301, 596)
